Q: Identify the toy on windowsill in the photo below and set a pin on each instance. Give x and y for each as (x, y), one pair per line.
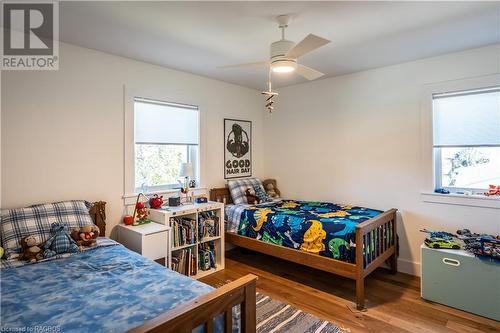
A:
(493, 190)
(140, 211)
(441, 191)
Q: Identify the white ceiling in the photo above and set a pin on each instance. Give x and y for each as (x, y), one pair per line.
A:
(197, 37)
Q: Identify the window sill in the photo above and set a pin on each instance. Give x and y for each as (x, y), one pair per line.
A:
(130, 198)
(462, 200)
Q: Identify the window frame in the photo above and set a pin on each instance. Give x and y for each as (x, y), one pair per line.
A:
(428, 165)
(131, 92)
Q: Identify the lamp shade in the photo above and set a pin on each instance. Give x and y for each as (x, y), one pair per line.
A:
(186, 170)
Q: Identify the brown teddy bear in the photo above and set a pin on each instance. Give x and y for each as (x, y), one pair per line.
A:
(85, 236)
(252, 199)
(31, 251)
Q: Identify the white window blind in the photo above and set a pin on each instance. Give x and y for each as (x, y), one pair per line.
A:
(467, 119)
(159, 122)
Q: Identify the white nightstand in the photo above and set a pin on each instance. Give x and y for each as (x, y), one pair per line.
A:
(151, 240)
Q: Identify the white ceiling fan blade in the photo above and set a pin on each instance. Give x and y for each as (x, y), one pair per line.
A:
(308, 73)
(248, 64)
(308, 44)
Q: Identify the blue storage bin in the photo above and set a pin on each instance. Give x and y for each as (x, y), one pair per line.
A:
(459, 279)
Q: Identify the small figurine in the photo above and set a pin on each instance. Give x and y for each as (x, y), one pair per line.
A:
(140, 211)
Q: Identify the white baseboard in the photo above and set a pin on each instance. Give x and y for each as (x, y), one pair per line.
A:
(409, 267)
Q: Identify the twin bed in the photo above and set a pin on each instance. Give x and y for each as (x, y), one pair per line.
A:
(111, 289)
(342, 239)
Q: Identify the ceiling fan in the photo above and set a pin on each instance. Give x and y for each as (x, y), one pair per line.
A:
(284, 53)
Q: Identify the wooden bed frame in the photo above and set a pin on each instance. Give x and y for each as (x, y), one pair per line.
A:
(203, 309)
(382, 227)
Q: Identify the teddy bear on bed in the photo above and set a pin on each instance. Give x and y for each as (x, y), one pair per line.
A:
(31, 250)
(85, 236)
(60, 241)
(251, 196)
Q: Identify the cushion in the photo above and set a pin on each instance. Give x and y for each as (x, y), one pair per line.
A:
(237, 188)
(261, 194)
(36, 220)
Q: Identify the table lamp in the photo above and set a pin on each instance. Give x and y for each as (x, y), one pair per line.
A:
(186, 171)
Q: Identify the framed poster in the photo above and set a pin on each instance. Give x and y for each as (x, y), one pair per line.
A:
(237, 148)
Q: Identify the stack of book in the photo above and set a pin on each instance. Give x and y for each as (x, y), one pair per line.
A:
(184, 262)
(183, 231)
(208, 224)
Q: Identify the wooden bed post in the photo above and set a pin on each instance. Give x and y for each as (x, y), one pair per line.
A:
(360, 279)
(248, 310)
(393, 261)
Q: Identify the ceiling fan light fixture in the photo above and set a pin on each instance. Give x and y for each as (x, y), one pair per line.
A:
(283, 66)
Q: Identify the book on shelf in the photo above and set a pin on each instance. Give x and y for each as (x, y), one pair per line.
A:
(208, 224)
(183, 231)
(184, 262)
(207, 256)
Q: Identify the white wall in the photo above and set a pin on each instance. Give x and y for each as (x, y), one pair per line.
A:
(357, 139)
(63, 131)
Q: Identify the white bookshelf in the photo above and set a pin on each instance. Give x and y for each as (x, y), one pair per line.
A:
(164, 215)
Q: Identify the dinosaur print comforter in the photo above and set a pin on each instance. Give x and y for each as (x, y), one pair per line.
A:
(322, 228)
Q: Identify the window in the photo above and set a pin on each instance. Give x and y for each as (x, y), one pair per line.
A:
(466, 140)
(166, 135)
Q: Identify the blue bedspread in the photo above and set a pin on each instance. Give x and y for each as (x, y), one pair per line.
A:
(107, 289)
(322, 228)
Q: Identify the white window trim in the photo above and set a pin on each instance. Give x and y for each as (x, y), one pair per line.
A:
(427, 151)
(129, 93)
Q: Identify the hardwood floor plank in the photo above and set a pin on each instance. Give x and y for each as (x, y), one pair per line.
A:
(393, 301)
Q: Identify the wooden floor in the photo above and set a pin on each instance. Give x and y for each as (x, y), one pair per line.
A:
(393, 301)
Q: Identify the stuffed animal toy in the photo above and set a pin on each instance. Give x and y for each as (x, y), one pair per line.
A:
(85, 236)
(271, 188)
(31, 250)
(60, 241)
(252, 199)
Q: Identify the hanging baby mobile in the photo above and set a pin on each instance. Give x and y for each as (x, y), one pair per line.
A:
(269, 94)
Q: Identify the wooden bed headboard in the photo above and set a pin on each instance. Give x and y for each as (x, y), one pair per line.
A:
(98, 213)
(221, 194)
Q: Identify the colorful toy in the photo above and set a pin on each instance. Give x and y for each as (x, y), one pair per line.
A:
(85, 236)
(140, 211)
(438, 234)
(493, 190)
(441, 191)
(441, 243)
(60, 241)
(156, 202)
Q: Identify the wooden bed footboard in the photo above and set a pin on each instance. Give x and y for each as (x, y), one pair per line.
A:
(202, 310)
(376, 242)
